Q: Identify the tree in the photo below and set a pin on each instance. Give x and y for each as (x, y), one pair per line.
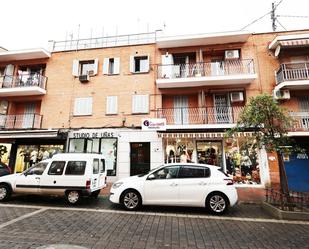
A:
(269, 123)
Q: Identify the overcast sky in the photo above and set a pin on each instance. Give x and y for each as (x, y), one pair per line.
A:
(31, 23)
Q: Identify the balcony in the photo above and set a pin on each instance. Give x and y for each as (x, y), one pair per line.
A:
(229, 72)
(216, 117)
(301, 121)
(293, 76)
(21, 121)
(23, 85)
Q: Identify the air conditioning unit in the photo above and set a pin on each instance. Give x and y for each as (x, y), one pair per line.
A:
(237, 96)
(282, 94)
(231, 54)
(84, 78)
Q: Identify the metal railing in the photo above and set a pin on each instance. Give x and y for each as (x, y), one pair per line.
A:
(103, 42)
(292, 71)
(200, 115)
(292, 201)
(301, 121)
(208, 69)
(21, 121)
(24, 80)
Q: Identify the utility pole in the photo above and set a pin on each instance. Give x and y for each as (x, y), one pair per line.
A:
(273, 16)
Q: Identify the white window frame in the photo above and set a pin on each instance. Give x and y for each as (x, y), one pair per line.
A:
(116, 66)
(111, 110)
(132, 64)
(140, 104)
(83, 106)
(78, 64)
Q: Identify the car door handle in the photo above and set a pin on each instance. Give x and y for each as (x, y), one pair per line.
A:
(37, 178)
(174, 184)
(202, 183)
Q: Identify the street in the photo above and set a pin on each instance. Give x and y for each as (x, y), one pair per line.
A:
(30, 222)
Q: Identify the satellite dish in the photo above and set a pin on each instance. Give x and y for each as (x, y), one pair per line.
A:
(277, 51)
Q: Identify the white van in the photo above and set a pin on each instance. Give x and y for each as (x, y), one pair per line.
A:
(72, 175)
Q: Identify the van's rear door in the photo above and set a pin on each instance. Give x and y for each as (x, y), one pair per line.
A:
(95, 176)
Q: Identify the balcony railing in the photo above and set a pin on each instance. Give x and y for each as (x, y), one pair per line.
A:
(202, 69)
(200, 115)
(301, 121)
(292, 72)
(24, 80)
(21, 121)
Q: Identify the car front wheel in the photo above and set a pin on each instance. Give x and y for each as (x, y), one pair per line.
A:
(5, 192)
(73, 196)
(217, 203)
(131, 200)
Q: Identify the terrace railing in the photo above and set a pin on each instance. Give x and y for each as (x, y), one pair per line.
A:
(292, 72)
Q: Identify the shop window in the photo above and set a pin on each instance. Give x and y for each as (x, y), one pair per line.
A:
(95, 166)
(106, 146)
(5, 150)
(56, 168)
(75, 168)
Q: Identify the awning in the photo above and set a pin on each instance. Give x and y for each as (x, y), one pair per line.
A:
(202, 135)
(29, 134)
(294, 43)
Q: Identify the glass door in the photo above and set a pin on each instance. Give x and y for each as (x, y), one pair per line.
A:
(222, 113)
(139, 158)
(181, 111)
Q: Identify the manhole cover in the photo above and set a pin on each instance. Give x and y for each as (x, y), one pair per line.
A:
(61, 246)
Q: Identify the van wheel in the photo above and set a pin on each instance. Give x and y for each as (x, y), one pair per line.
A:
(73, 196)
(131, 200)
(5, 192)
(95, 194)
(217, 203)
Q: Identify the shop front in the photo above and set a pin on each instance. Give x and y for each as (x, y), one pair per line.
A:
(21, 149)
(247, 166)
(127, 151)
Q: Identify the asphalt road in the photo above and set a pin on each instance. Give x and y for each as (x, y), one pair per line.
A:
(31, 222)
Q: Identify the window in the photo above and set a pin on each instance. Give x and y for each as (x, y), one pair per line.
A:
(77, 145)
(193, 172)
(85, 67)
(75, 168)
(140, 104)
(95, 165)
(167, 172)
(139, 64)
(102, 166)
(37, 169)
(56, 168)
(83, 106)
(111, 105)
(111, 66)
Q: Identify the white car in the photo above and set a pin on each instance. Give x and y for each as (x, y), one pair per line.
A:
(187, 184)
(72, 175)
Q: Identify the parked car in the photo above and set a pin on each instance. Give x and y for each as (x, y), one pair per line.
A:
(187, 184)
(4, 169)
(68, 174)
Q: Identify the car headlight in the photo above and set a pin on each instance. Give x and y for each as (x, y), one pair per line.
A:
(117, 184)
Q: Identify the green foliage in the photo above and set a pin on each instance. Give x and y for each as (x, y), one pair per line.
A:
(269, 122)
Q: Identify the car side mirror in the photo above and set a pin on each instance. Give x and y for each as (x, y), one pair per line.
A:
(25, 174)
(151, 177)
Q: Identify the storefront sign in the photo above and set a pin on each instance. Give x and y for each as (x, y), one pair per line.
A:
(154, 124)
(93, 134)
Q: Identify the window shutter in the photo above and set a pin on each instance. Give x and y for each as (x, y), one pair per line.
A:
(140, 104)
(75, 68)
(95, 66)
(105, 65)
(147, 64)
(132, 64)
(116, 65)
(111, 105)
(9, 70)
(83, 106)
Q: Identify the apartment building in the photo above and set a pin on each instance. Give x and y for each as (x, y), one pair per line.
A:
(23, 86)
(144, 99)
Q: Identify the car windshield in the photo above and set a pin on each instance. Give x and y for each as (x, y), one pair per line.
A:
(141, 175)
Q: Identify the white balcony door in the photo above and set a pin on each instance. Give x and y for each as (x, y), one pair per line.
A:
(304, 107)
(222, 113)
(28, 117)
(181, 111)
(217, 68)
